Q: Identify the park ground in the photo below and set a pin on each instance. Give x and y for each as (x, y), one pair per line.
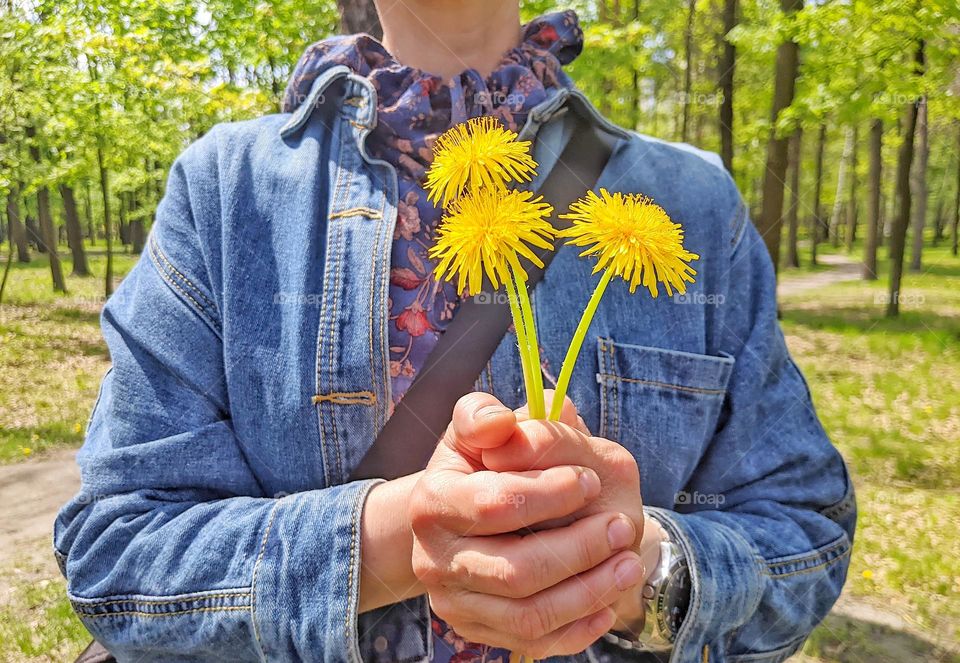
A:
(888, 392)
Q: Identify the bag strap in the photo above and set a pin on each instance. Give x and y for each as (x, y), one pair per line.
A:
(410, 435)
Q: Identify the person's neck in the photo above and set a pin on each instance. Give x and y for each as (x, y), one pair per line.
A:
(446, 37)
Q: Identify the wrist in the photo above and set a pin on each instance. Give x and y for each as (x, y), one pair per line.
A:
(631, 608)
(386, 545)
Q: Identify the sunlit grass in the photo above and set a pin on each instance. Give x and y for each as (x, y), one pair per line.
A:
(51, 355)
(888, 393)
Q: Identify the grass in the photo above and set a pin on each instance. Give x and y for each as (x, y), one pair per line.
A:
(51, 355)
(36, 620)
(888, 392)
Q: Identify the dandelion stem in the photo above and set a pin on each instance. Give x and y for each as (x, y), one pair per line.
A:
(535, 399)
(518, 325)
(575, 344)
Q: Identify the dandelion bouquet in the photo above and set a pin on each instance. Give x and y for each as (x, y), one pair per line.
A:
(489, 229)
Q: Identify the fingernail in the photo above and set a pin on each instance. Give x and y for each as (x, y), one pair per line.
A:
(490, 411)
(620, 533)
(628, 573)
(589, 482)
(602, 622)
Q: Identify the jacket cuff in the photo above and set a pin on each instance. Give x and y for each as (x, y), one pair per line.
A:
(727, 579)
(306, 580)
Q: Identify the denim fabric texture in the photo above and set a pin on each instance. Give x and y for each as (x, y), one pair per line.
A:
(251, 372)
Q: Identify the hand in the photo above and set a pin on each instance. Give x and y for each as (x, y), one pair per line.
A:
(539, 444)
(542, 594)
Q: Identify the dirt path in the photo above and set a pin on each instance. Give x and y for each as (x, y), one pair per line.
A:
(842, 268)
(31, 493)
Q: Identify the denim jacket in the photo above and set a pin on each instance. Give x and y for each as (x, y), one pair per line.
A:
(250, 373)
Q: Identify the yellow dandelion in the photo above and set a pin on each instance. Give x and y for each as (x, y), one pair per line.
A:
(633, 238)
(868, 574)
(485, 231)
(478, 153)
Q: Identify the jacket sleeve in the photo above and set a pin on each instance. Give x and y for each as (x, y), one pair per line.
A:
(172, 551)
(769, 545)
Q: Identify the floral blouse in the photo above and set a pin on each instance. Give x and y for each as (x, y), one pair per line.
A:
(414, 108)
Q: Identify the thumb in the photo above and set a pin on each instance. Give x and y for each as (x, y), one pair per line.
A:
(480, 421)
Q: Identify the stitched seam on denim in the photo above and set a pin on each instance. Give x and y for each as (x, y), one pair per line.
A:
(824, 555)
(616, 391)
(385, 249)
(253, 579)
(201, 597)
(346, 398)
(354, 515)
(666, 385)
(706, 654)
(179, 274)
(169, 280)
(840, 542)
(346, 618)
(332, 338)
(357, 211)
(776, 654)
(844, 506)
(163, 614)
(607, 390)
(374, 272)
(333, 263)
(601, 365)
(809, 569)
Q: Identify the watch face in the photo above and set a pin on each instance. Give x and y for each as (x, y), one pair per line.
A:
(673, 601)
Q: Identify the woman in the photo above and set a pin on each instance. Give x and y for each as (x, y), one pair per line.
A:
(285, 304)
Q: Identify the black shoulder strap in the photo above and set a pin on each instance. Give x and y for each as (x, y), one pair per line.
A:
(411, 433)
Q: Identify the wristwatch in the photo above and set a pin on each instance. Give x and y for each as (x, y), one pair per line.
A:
(666, 597)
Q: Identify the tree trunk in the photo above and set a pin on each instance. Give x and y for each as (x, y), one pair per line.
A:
(74, 231)
(123, 226)
(49, 238)
(793, 156)
(636, 114)
(834, 229)
(6, 272)
(956, 205)
(359, 16)
(918, 186)
(688, 72)
(88, 214)
(136, 224)
(817, 222)
(771, 215)
(107, 223)
(728, 64)
(18, 234)
(852, 208)
(874, 228)
(33, 234)
(898, 236)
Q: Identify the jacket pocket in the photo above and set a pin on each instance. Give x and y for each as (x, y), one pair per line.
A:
(663, 405)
